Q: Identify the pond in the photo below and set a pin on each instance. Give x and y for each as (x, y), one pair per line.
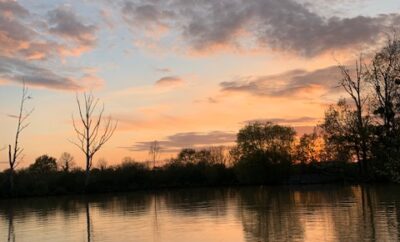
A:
(303, 213)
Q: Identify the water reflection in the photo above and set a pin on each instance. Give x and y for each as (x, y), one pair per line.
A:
(10, 217)
(269, 215)
(309, 213)
(88, 223)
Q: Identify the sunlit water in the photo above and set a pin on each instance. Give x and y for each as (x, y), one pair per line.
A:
(309, 213)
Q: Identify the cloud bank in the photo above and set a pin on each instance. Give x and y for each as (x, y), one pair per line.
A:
(287, 84)
(29, 42)
(178, 141)
(284, 25)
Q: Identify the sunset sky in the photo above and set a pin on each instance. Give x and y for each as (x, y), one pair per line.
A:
(188, 73)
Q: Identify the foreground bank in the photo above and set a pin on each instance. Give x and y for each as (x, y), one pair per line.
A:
(136, 176)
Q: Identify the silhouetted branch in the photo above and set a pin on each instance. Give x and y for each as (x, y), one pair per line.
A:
(91, 137)
(14, 153)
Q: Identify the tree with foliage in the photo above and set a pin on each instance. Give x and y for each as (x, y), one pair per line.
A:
(384, 76)
(265, 136)
(44, 164)
(337, 128)
(264, 152)
(309, 148)
(187, 155)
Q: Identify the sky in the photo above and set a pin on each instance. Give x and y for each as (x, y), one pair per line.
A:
(188, 73)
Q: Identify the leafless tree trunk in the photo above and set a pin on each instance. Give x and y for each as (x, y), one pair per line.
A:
(154, 151)
(14, 153)
(354, 85)
(91, 137)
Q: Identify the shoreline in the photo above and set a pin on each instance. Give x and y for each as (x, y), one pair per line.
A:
(190, 187)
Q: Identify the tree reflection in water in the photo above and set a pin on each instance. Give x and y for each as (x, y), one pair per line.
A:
(308, 213)
(88, 222)
(269, 215)
(331, 213)
(11, 234)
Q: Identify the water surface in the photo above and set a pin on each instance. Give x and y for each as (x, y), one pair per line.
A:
(308, 213)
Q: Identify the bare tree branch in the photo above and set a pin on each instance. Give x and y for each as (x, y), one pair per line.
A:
(15, 153)
(90, 134)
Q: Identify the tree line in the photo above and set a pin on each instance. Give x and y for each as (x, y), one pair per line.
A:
(357, 140)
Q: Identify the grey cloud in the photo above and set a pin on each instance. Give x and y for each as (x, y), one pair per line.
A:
(145, 14)
(169, 81)
(285, 24)
(179, 141)
(186, 140)
(26, 45)
(13, 8)
(64, 22)
(21, 35)
(304, 119)
(13, 33)
(18, 71)
(284, 84)
(216, 22)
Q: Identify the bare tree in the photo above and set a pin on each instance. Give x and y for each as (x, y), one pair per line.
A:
(66, 162)
(15, 152)
(355, 86)
(218, 155)
(154, 151)
(102, 164)
(90, 135)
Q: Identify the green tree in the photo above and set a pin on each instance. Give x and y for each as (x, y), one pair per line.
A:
(384, 76)
(187, 155)
(44, 164)
(309, 148)
(338, 127)
(265, 136)
(264, 152)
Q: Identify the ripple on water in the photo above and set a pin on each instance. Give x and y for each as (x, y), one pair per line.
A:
(311, 213)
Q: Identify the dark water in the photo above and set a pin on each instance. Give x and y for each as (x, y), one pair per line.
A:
(310, 213)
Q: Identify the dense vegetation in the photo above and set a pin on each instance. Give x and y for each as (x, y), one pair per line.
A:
(358, 140)
(190, 168)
